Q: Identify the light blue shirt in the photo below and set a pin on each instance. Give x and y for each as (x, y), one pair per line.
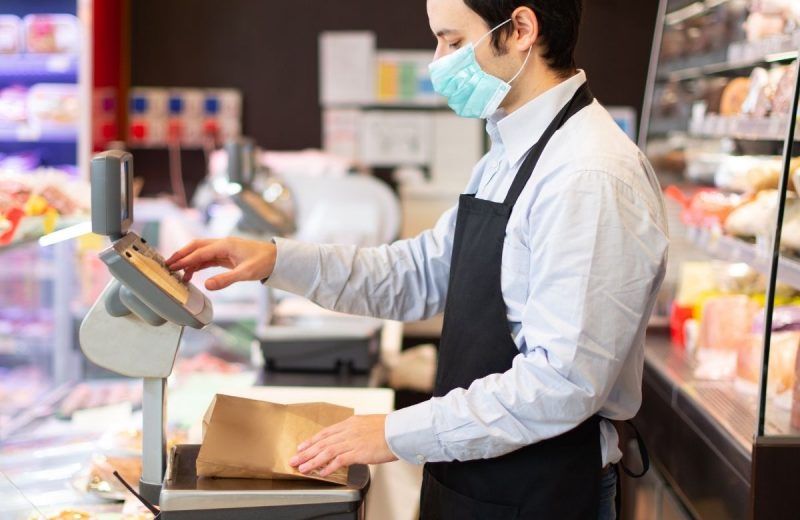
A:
(584, 255)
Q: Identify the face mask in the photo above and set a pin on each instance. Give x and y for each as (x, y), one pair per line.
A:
(470, 91)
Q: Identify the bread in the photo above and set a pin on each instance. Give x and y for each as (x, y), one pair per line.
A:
(734, 96)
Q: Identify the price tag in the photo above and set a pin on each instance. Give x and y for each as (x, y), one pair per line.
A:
(58, 63)
(28, 133)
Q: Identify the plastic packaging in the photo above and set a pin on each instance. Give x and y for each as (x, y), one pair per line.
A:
(10, 34)
(52, 34)
(53, 105)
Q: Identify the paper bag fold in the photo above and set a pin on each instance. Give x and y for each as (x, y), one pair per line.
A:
(246, 438)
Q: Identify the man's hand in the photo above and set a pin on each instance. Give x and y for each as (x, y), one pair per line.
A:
(246, 259)
(358, 440)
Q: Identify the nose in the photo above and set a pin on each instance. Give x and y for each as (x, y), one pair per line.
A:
(441, 50)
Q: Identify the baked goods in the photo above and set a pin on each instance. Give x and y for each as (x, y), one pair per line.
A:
(101, 473)
(733, 97)
(753, 218)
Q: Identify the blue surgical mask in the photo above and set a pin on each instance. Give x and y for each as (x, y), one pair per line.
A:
(470, 91)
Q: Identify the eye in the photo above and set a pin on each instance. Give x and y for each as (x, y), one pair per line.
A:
(454, 45)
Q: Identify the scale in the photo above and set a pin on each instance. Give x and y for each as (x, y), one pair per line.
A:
(260, 217)
(346, 346)
(134, 329)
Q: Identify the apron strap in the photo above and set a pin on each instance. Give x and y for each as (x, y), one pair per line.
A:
(582, 98)
(642, 454)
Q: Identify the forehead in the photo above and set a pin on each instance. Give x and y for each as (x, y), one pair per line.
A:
(453, 15)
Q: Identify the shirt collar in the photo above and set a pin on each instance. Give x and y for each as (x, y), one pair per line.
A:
(517, 131)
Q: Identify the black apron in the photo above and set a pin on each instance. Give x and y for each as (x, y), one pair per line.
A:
(557, 478)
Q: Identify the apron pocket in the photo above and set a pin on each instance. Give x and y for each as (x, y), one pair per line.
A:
(439, 502)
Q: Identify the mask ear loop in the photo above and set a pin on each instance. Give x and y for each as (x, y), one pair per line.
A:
(490, 32)
(526, 57)
(523, 66)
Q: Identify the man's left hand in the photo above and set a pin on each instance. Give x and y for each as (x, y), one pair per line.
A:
(358, 440)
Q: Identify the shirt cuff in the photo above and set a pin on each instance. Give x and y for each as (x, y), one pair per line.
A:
(296, 267)
(411, 436)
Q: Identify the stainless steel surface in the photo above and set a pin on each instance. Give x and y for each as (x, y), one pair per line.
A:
(65, 359)
(185, 491)
(721, 401)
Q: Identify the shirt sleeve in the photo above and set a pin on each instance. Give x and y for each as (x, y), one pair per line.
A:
(404, 281)
(596, 255)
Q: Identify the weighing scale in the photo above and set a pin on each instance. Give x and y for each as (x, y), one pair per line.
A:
(260, 217)
(344, 345)
(134, 329)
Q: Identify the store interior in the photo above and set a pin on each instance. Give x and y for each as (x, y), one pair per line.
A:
(318, 121)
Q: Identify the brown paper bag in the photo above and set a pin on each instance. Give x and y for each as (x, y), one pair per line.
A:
(245, 438)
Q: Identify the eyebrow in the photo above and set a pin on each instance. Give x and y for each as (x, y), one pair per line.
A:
(444, 32)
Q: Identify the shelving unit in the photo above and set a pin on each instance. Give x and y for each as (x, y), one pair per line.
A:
(741, 127)
(719, 445)
(737, 58)
(27, 134)
(36, 331)
(38, 68)
(730, 249)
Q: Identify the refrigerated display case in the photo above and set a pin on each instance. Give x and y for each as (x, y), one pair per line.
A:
(45, 86)
(718, 411)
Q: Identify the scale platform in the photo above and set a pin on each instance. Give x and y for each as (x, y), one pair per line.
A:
(187, 497)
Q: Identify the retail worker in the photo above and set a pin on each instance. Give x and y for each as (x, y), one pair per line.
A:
(546, 270)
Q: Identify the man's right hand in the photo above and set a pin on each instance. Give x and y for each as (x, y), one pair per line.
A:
(246, 260)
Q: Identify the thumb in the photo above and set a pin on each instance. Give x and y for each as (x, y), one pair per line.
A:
(223, 280)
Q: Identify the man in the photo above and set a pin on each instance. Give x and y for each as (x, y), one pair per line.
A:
(547, 274)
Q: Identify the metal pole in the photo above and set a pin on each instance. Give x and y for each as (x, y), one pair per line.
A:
(154, 438)
(644, 118)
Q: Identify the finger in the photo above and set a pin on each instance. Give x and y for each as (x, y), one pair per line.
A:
(188, 273)
(324, 434)
(322, 459)
(224, 280)
(192, 246)
(314, 449)
(214, 251)
(340, 461)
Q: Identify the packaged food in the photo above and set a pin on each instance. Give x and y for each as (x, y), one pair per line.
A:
(706, 208)
(13, 106)
(760, 26)
(758, 102)
(753, 218)
(733, 96)
(67, 514)
(52, 34)
(784, 91)
(725, 330)
(53, 105)
(97, 394)
(101, 474)
(782, 360)
(10, 34)
(795, 417)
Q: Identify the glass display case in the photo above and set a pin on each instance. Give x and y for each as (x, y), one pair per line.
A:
(45, 87)
(719, 400)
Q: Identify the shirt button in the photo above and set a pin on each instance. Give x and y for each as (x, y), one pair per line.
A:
(420, 459)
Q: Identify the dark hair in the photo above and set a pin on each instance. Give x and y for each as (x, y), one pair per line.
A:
(559, 22)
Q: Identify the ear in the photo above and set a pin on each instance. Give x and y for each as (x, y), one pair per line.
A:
(526, 28)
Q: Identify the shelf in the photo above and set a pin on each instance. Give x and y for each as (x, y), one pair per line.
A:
(27, 134)
(732, 249)
(683, 10)
(38, 68)
(32, 231)
(668, 125)
(740, 56)
(741, 127)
